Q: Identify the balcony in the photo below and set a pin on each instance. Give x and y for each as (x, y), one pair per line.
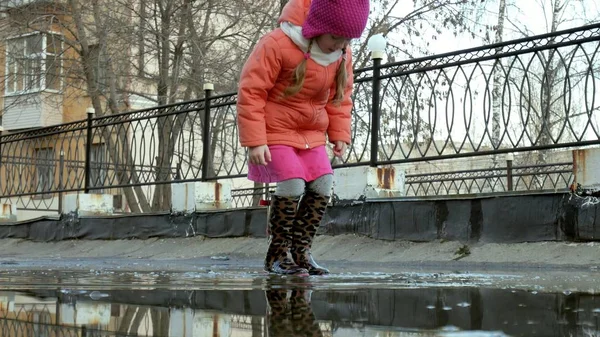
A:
(33, 110)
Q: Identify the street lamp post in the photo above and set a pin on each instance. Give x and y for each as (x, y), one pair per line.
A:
(88, 149)
(376, 45)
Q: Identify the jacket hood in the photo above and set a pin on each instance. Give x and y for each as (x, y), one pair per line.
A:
(295, 12)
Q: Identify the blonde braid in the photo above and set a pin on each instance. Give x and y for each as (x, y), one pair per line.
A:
(341, 80)
(299, 74)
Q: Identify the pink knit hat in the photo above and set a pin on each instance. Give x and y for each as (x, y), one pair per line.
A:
(346, 18)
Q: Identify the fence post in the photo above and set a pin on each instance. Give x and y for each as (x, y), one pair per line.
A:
(509, 171)
(208, 88)
(60, 181)
(377, 45)
(88, 149)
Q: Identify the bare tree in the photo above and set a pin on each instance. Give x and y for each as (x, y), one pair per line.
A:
(406, 101)
(412, 34)
(554, 76)
(160, 51)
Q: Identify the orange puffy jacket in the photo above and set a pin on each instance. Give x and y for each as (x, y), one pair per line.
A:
(302, 120)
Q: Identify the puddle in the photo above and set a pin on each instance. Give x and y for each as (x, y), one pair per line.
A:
(59, 304)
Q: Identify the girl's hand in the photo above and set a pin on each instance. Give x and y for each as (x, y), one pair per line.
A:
(339, 148)
(260, 155)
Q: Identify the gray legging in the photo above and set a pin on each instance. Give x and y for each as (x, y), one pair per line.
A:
(296, 187)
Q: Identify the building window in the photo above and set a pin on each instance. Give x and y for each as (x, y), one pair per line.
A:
(53, 61)
(44, 167)
(33, 63)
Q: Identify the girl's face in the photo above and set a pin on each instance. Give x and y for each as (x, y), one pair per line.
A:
(331, 43)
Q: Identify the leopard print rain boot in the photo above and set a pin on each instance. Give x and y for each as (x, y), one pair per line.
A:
(278, 319)
(281, 220)
(310, 213)
(303, 318)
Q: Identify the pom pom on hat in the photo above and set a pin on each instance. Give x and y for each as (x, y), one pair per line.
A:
(345, 18)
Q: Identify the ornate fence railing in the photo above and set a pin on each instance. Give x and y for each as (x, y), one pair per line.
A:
(538, 178)
(531, 94)
(48, 319)
(250, 197)
(549, 177)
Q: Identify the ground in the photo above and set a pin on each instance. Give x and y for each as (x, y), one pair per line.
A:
(376, 286)
(335, 250)
(353, 260)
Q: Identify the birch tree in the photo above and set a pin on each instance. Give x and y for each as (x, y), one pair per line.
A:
(411, 29)
(552, 76)
(497, 90)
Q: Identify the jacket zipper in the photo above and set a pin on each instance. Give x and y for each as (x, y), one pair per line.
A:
(315, 114)
(306, 145)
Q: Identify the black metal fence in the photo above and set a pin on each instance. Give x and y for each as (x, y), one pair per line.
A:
(545, 177)
(551, 177)
(532, 94)
(44, 320)
(251, 197)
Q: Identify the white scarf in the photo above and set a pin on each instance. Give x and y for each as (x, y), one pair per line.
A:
(295, 33)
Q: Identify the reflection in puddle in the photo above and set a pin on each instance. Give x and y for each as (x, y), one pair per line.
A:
(297, 311)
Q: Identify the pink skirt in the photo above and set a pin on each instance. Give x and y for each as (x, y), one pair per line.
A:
(291, 163)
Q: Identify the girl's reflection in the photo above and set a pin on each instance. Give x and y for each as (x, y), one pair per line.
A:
(291, 314)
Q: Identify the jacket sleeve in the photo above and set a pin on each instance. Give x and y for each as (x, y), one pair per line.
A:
(340, 116)
(257, 78)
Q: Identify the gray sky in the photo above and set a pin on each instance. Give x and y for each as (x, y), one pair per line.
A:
(530, 16)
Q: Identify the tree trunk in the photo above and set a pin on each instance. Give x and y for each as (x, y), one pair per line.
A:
(548, 84)
(126, 320)
(141, 40)
(137, 321)
(497, 91)
(97, 104)
(170, 126)
(162, 123)
(160, 322)
(197, 49)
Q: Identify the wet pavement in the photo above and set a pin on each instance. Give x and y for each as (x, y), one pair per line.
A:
(239, 302)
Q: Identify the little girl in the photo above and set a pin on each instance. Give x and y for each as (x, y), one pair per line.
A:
(294, 93)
